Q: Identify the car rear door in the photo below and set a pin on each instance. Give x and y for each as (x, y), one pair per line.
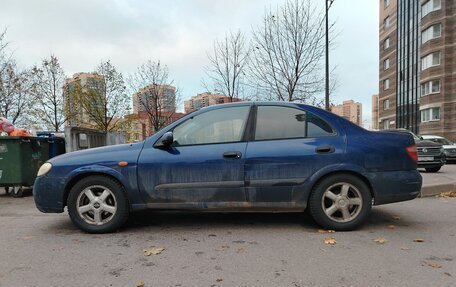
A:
(288, 146)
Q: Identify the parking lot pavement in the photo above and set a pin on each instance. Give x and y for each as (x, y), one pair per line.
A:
(414, 247)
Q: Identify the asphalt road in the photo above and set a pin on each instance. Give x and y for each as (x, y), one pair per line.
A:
(231, 249)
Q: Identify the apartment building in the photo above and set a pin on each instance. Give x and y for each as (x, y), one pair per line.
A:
(73, 89)
(155, 97)
(417, 85)
(206, 99)
(350, 110)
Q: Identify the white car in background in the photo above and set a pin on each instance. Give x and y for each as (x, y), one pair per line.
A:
(448, 146)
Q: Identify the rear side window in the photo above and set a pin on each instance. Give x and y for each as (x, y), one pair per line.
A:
(285, 123)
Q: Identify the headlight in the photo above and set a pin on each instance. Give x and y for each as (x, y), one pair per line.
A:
(44, 169)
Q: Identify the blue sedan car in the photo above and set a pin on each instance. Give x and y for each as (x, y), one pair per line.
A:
(249, 156)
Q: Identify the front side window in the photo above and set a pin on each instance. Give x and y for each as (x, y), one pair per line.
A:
(216, 126)
(285, 123)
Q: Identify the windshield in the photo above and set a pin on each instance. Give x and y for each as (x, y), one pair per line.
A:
(443, 141)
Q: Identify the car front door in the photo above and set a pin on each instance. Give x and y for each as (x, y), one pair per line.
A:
(288, 146)
(204, 167)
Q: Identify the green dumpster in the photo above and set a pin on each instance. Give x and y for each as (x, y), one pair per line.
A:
(20, 159)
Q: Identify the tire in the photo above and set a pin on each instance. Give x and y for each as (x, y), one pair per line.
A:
(433, 169)
(340, 202)
(98, 204)
(17, 191)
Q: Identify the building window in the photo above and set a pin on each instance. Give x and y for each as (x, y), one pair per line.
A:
(386, 84)
(430, 87)
(386, 64)
(431, 32)
(430, 6)
(386, 43)
(386, 3)
(386, 22)
(430, 114)
(386, 104)
(386, 124)
(430, 60)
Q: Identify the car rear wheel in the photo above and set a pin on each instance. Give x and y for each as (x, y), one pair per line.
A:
(98, 204)
(340, 202)
(433, 169)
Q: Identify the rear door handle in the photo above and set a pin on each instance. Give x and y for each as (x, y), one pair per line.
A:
(325, 149)
(232, 154)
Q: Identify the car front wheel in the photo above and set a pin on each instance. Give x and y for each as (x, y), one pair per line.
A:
(98, 204)
(340, 202)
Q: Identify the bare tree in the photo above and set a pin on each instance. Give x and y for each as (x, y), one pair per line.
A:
(16, 100)
(49, 81)
(287, 52)
(105, 100)
(227, 64)
(154, 93)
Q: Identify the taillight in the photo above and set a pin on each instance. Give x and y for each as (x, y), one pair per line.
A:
(412, 152)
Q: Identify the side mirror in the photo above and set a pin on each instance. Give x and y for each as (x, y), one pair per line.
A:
(165, 141)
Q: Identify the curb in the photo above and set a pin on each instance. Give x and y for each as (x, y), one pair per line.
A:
(432, 190)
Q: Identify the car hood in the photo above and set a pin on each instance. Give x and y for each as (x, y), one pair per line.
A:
(121, 152)
(449, 146)
(426, 143)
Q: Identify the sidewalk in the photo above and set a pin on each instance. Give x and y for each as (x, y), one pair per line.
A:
(438, 182)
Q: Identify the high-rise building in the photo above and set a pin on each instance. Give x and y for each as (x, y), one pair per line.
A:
(350, 110)
(162, 96)
(74, 88)
(417, 64)
(374, 124)
(206, 99)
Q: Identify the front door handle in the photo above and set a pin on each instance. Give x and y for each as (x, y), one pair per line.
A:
(232, 154)
(325, 149)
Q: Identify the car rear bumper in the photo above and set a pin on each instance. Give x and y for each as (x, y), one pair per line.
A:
(48, 194)
(395, 186)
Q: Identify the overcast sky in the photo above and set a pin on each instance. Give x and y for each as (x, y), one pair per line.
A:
(179, 33)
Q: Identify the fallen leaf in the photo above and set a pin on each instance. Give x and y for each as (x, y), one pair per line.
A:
(405, 248)
(330, 240)
(432, 264)
(396, 217)
(222, 248)
(392, 226)
(380, 240)
(140, 284)
(447, 194)
(418, 240)
(448, 274)
(153, 251)
(240, 250)
(219, 279)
